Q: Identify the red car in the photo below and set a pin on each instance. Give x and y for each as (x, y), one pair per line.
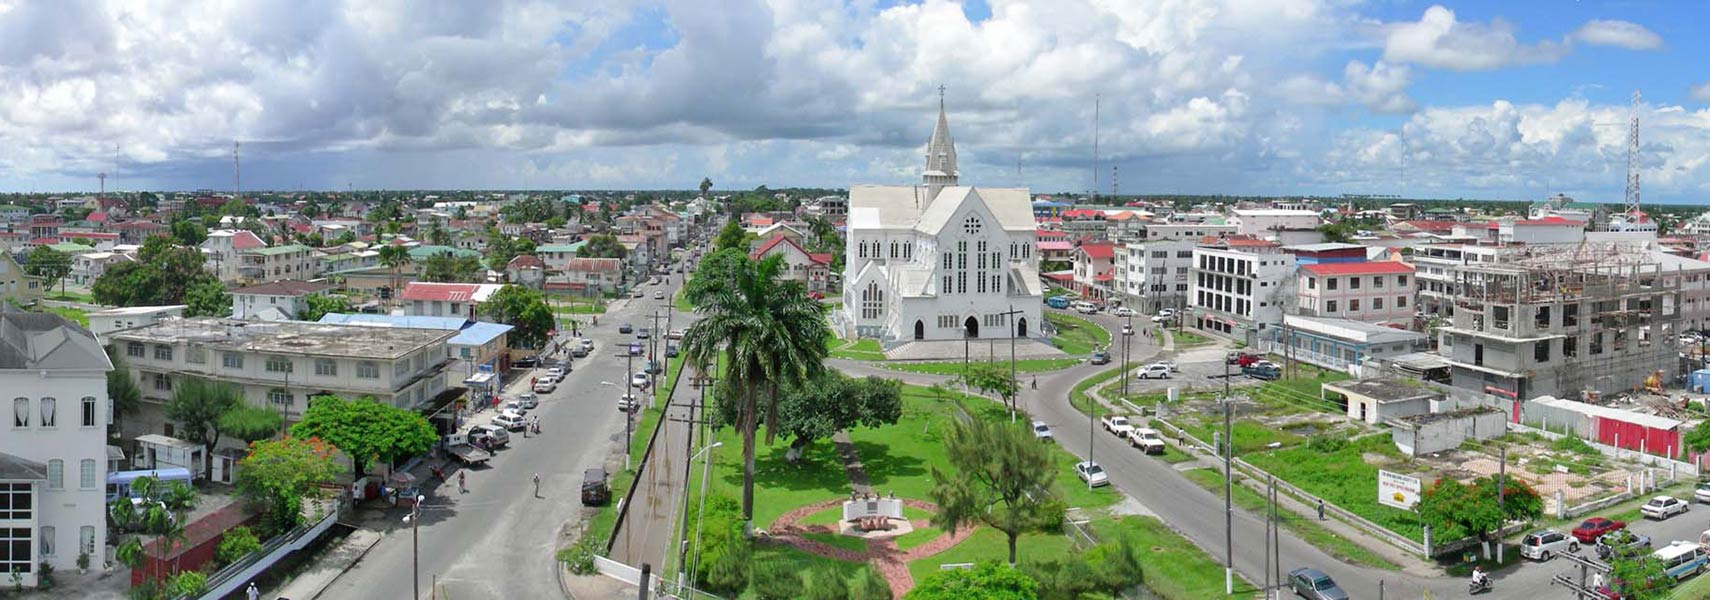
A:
(1594, 528)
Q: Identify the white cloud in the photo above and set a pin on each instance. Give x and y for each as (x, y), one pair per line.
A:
(1380, 87)
(1700, 92)
(1438, 40)
(1621, 34)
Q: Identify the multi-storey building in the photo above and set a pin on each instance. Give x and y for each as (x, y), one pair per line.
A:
(585, 276)
(1094, 266)
(813, 270)
(280, 364)
(224, 248)
(53, 457)
(280, 300)
(1153, 275)
(1240, 287)
(291, 261)
(103, 323)
(425, 299)
(1361, 291)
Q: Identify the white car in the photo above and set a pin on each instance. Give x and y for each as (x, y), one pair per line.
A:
(1160, 319)
(1154, 371)
(1543, 544)
(1091, 473)
(1042, 432)
(528, 399)
(1127, 329)
(509, 420)
(587, 344)
(556, 372)
(639, 380)
(1702, 494)
(516, 406)
(627, 403)
(1663, 507)
(1122, 311)
(545, 386)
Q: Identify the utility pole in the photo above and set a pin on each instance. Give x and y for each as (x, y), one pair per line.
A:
(1228, 492)
(1127, 337)
(1010, 316)
(1501, 478)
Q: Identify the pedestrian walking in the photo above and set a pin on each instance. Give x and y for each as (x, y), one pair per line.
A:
(461, 488)
(1035, 382)
(1321, 509)
(537, 485)
(252, 593)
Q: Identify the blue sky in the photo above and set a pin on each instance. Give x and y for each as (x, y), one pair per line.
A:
(1510, 100)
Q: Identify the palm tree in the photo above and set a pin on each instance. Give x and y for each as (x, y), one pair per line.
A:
(768, 332)
(394, 257)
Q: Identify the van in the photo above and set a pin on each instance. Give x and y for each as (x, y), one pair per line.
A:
(494, 434)
(1084, 307)
(1057, 302)
(595, 490)
(119, 483)
(1682, 559)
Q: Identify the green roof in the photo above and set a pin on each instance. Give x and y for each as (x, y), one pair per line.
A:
(286, 249)
(1440, 210)
(71, 248)
(562, 247)
(422, 252)
(13, 207)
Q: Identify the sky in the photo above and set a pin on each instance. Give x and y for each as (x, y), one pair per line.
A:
(1499, 100)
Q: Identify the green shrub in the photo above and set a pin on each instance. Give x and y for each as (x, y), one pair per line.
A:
(187, 583)
(1574, 445)
(868, 584)
(44, 576)
(1327, 444)
(725, 553)
(579, 557)
(1107, 569)
(825, 584)
(235, 545)
(775, 580)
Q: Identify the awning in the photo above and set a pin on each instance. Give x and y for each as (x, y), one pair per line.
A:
(479, 379)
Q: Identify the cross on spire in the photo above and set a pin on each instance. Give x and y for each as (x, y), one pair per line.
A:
(940, 96)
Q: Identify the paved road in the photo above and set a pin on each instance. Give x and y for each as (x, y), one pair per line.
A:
(497, 541)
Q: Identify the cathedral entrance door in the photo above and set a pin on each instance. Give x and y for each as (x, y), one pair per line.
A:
(1021, 327)
(919, 330)
(971, 328)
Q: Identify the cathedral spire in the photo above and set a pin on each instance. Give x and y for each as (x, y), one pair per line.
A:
(940, 151)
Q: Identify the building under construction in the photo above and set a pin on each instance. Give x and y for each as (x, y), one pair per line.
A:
(1575, 321)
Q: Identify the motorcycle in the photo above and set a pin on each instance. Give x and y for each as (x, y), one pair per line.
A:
(1479, 587)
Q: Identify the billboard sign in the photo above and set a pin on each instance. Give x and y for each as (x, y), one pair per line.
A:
(1397, 490)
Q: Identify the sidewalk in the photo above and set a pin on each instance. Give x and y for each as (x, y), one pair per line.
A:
(328, 566)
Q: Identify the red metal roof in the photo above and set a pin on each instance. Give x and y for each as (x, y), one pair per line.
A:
(1382, 267)
(421, 290)
(246, 240)
(1080, 213)
(823, 258)
(1099, 251)
(595, 265)
(1550, 221)
(526, 261)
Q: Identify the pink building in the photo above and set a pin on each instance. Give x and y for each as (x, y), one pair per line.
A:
(1362, 291)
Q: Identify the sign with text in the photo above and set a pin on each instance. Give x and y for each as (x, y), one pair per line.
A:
(1397, 490)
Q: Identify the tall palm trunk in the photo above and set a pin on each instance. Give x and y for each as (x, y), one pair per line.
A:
(749, 412)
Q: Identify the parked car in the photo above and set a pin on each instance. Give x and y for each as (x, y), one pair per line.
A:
(528, 399)
(1174, 368)
(493, 435)
(1702, 492)
(639, 380)
(515, 406)
(1544, 544)
(595, 490)
(557, 371)
(1663, 507)
(635, 349)
(1147, 440)
(643, 333)
(627, 403)
(1682, 559)
(578, 350)
(1084, 307)
(637, 293)
(1117, 424)
(1042, 432)
(1264, 371)
(587, 344)
(1313, 584)
(1091, 473)
(658, 294)
(545, 386)
(674, 334)
(1623, 541)
(1154, 371)
(1057, 302)
(1593, 528)
(1122, 311)
(671, 351)
(625, 328)
(526, 362)
(1233, 357)
(510, 420)
(654, 368)
(1100, 357)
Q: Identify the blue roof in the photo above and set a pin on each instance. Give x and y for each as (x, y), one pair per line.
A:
(472, 333)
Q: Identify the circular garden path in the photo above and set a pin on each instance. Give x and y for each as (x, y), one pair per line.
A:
(883, 553)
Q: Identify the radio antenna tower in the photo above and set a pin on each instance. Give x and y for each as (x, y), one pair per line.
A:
(102, 197)
(1095, 149)
(1113, 181)
(237, 173)
(1633, 161)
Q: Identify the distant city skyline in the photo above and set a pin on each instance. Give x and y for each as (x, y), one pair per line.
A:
(1515, 100)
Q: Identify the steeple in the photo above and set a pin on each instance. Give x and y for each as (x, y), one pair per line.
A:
(940, 152)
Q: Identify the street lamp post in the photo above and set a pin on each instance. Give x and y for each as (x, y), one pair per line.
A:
(414, 520)
(706, 469)
(1127, 337)
(684, 545)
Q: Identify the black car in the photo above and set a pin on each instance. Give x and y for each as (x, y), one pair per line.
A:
(526, 362)
(671, 351)
(625, 328)
(595, 490)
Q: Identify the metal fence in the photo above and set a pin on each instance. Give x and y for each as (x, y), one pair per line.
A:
(230, 579)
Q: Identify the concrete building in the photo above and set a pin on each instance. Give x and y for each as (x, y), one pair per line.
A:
(280, 364)
(17, 285)
(1270, 222)
(103, 323)
(1095, 265)
(1562, 320)
(1373, 292)
(224, 248)
(53, 458)
(478, 351)
(1337, 344)
(88, 266)
(940, 261)
(1153, 275)
(291, 261)
(1376, 401)
(280, 300)
(1240, 288)
(425, 299)
(586, 276)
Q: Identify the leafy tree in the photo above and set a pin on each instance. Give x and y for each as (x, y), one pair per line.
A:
(706, 184)
(163, 274)
(989, 580)
(160, 512)
(1698, 438)
(1339, 232)
(831, 402)
(443, 267)
(189, 233)
(197, 405)
(250, 423)
(235, 544)
(187, 584)
(501, 249)
(767, 331)
(345, 238)
(725, 554)
(1107, 570)
(49, 264)
(1639, 576)
(1000, 479)
(365, 429)
(557, 222)
(1455, 510)
(602, 246)
(277, 474)
(121, 389)
(318, 305)
(438, 235)
(394, 258)
(525, 310)
(207, 298)
(991, 379)
(732, 237)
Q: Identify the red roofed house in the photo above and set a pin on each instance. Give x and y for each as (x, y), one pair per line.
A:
(1362, 291)
(527, 270)
(1094, 269)
(813, 270)
(588, 276)
(426, 299)
(223, 250)
(164, 557)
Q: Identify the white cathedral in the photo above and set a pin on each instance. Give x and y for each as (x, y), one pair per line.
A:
(941, 261)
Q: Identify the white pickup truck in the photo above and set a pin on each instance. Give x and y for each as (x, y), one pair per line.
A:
(1147, 440)
(1118, 425)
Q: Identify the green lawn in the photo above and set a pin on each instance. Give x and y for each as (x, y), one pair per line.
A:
(1307, 529)
(836, 540)
(918, 537)
(1078, 395)
(990, 544)
(1189, 338)
(1250, 436)
(1174, 567)
(1032, 365)
(78, 316)
(1342, 478)
(579, 308)
(681, 302)
(1697, 589)
(861, 349)
(1075, 335)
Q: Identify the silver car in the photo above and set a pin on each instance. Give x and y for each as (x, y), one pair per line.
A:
(1042, 432)
(1544, 544)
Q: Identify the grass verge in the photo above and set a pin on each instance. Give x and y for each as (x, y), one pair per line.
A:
(1307, 529)
(1175, 568)
(1078, 395)
(861, 349)
(74, 315)
(1340, 477)
(1032, 365)
(1075, 335)
(1189, 338)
